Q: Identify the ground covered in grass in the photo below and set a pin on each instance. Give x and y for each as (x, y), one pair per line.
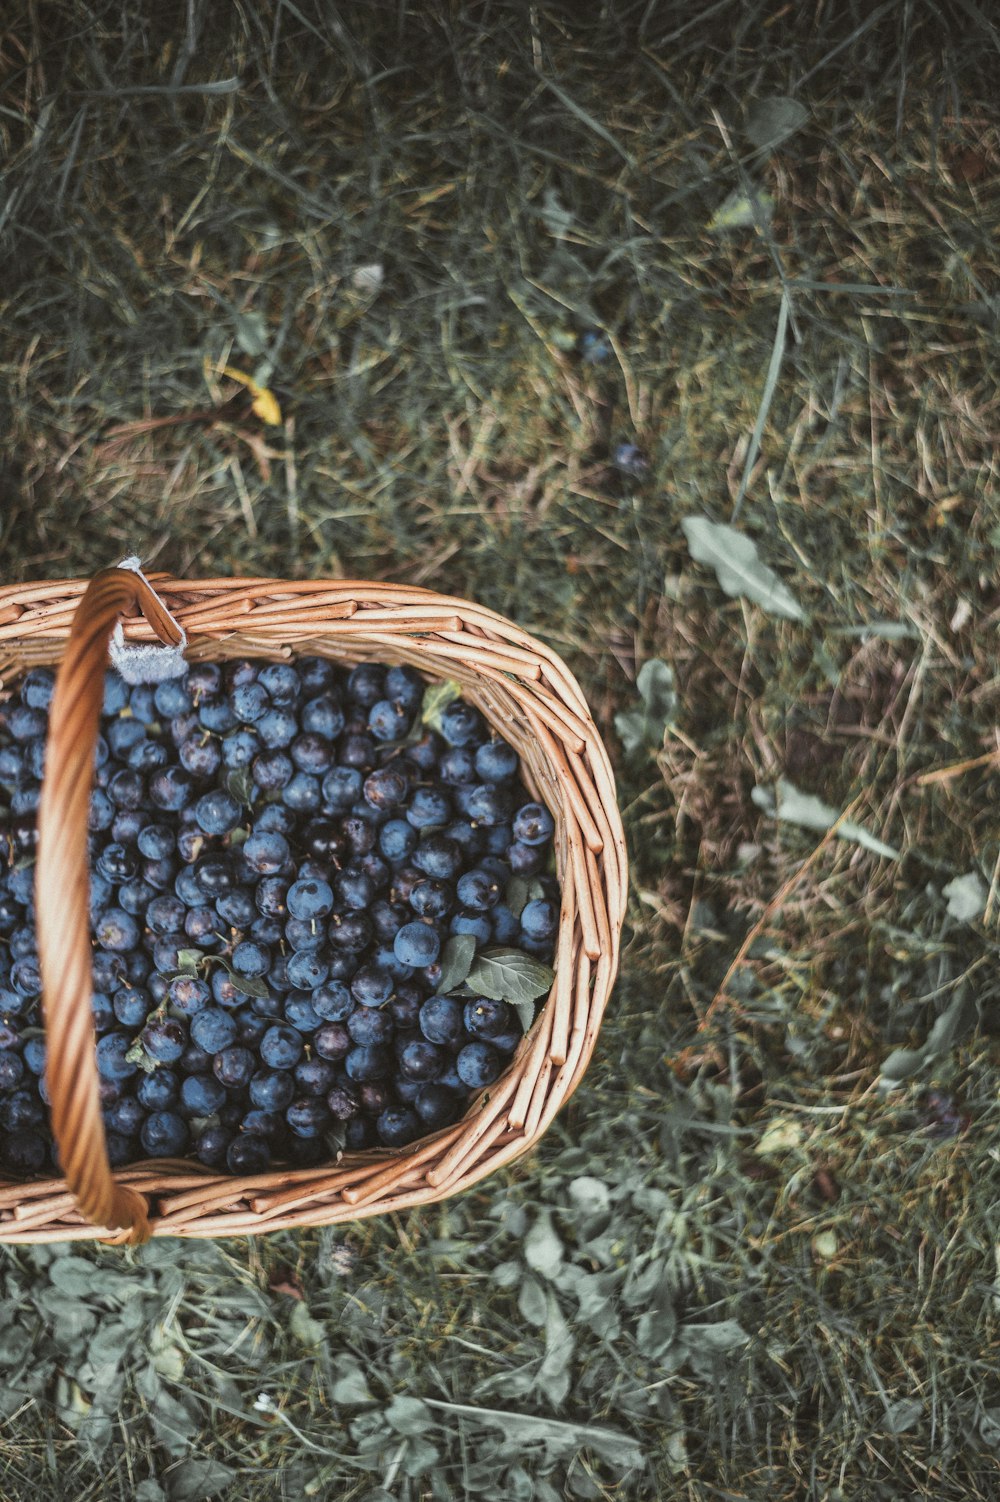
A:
(533, 286)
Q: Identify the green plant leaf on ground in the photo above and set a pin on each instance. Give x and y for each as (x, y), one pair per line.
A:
(951, 1028)
(738, 567)
(772, 120)
(966, 897)
(786, 803)
(740, 209)
(644, 726)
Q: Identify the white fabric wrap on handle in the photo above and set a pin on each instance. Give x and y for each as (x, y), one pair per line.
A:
(146, 664)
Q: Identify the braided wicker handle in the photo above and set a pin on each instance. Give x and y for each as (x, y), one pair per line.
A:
(62, 898)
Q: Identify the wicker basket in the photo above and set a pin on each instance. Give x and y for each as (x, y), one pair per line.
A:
(521, 687)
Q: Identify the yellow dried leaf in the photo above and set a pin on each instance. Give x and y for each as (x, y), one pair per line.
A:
(264, 404)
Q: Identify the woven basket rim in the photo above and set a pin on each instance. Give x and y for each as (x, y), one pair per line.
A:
(531, 697)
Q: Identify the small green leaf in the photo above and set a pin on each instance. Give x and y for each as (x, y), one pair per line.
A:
(739, 210)
(509, 975)
(644, 726)
(517, 894)
(352, 1389)
(966, 897)
(738, 566)
(197, 1480)
(771, 121)
(250, 985)
(437, 697)
(786, 803)
(302, 1325)
(75, 1275)
(526, 1014)
(240, 787)
(188, 961)
(456, 962)
(138, 1055)
(543, 1251)
(532, 1303)
(902, 1415)
(721, 1338)
(409, 1416)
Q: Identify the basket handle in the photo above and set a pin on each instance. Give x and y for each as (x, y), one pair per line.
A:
(62, 897)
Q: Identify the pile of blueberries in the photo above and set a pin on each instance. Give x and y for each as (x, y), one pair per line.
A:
(279, 855)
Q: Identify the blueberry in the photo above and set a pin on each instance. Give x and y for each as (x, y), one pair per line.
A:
(533, 824)
(429, 808)
(164, 1134)
(438, 856)
(416, 944)
(496, 761)
(366, 684)
(397, 839)
(111, 1061)
(307, 1116)
(277, 728)
(333, 1001)
(302, 793)
(165, 1040)
(213, 1029)
(478, 1064)
(539, 920)
(201, 1095)
(316, 674)
(157, 1091)
(281, 681)
(485, 1018)
(131, 1007)
(332, 1041)
(314, 1076)
(370, 1025)
(342, 788)
(323, 718)
(272, 770)
(441, 1020)
(368, 1062)
(437, 1106)
(211, 1147)
(462, 724)
(233, 1066)
(249, 701)
(251, 958)
(11, 1070)
(22, 1151)
(169, 788)
(306, 970)
(479, 890)
(239, 749)
(457, 767)
(272, 1089)
(200, 754)
(343, 1101)
(398, 1125)
(310, 899)
(389, 721)
(371, 986)
(217, 812)
(266, 852)
(476, 924)
(421, 1060)
(281, 1046)
(248, 1154)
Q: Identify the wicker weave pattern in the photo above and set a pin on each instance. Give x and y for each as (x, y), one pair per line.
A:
(527, 693)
